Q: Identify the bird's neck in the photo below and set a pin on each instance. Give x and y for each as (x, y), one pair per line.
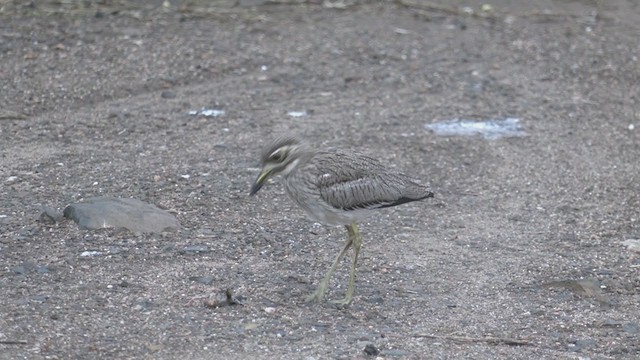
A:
(291, 167)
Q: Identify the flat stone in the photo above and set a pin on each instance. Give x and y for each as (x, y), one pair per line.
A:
(168, 94)
(632, 328)
(206, 279)
(194, 249)
(131, 214)
(632, 244)
(371, 350)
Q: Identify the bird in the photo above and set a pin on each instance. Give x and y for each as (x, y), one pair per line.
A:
(336, 187)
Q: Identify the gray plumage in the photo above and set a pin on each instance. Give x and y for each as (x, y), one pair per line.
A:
(336, 187)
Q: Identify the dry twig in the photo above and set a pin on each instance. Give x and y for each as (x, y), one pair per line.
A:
(486, 339)
(13, 342)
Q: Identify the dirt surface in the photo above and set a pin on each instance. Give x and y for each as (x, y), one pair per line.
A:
(519, 256)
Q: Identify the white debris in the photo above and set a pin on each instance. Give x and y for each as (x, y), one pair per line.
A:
(91, 253)
(632, 244)
(489, 129)
(297, 113)
(206, 112)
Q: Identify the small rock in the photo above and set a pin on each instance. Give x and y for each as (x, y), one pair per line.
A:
(20, 269)
(632, 328)
(168, 94)
(43, 269)
(269, 310)
(581, 344)
(371, 350)
(41, 298)
(114, 250)
(632, 244)
(395, 352)
(194, 249)
(145, 304)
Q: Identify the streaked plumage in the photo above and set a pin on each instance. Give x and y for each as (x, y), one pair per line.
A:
(336, 187)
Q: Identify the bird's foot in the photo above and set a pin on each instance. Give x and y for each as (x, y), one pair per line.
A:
(343, 302)
(317, 296)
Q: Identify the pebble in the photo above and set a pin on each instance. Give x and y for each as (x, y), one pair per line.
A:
(41, 298)
(194, 249)
(206, 280)
(20, 270)
(395, 352)
(145, 304)
(632, 328)
(371, 350)
(632, 244)
(168, 94)
(581, 344)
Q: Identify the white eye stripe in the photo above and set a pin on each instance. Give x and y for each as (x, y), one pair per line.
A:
(279, 154)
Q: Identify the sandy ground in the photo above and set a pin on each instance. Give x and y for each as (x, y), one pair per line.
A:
(519, 256)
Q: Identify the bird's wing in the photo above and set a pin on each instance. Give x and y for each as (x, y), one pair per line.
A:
(351, 181)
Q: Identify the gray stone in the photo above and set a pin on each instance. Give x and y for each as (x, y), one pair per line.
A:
(371, 350)
(131, 214)
(168, 94)
(632, 328)
(206, 279)
(394, 353)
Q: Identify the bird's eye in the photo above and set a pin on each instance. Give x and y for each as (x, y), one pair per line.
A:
(277, 156)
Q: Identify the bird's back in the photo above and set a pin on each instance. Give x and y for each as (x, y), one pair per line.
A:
(349, 182)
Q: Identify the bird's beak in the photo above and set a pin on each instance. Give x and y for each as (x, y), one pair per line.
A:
(262, 178)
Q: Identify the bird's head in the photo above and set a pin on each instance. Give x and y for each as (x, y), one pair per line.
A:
(281, 156)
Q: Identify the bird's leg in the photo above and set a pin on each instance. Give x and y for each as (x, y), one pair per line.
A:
(318, 295)
(354, 234)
